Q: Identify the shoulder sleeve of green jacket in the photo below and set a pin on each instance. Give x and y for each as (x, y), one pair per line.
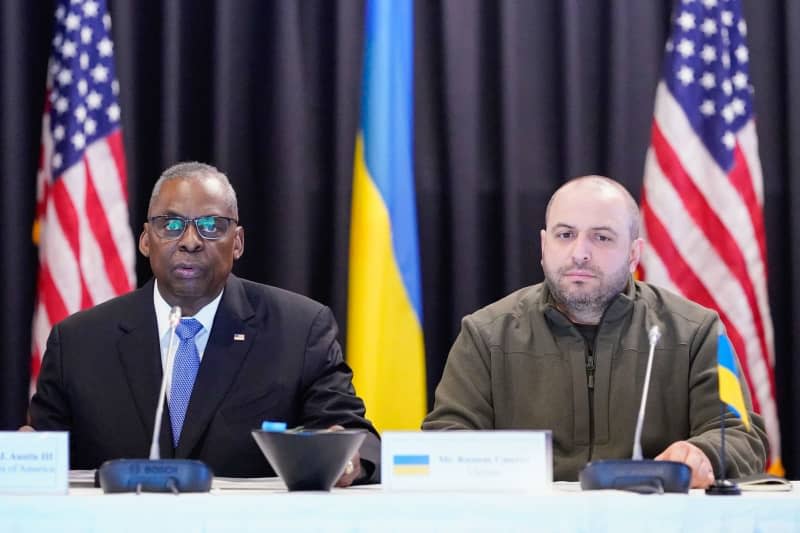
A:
(464, 395)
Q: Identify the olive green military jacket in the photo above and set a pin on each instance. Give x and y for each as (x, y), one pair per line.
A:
(519, 363)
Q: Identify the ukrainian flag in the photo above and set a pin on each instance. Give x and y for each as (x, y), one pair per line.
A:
(384, 334)
(730, 389)
(411, 465)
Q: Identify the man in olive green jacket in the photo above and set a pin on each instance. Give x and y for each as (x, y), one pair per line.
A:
(570, 354)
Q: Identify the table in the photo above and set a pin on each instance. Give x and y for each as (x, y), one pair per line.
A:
(266, 505)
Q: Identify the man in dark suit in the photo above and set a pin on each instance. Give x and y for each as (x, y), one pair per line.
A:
(255, 353)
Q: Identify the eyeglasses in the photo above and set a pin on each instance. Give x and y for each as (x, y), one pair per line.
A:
(209, 227)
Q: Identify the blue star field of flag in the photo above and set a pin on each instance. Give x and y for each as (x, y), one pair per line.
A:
(706, 69)
(82, 85)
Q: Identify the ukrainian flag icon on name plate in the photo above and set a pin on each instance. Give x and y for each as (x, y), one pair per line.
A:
(411, 465)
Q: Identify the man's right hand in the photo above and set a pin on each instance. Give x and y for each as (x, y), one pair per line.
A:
(689, 454)
(26, 428)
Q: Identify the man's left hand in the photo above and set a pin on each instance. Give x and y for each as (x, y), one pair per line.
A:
(685, 452)
(353, 468)
(350, 474)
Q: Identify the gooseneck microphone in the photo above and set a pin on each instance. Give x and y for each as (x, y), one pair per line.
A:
(166, 380)
(645, 476)
(653, 336)
(156, 474)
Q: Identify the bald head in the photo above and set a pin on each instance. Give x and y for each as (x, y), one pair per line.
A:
(600, 187)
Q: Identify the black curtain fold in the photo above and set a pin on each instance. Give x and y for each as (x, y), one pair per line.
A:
(23, 66)
(511, 99)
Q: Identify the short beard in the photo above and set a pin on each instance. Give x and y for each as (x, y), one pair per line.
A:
(587, 307)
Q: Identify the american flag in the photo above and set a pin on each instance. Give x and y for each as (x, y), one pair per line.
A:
(86, 248)
(703, 193)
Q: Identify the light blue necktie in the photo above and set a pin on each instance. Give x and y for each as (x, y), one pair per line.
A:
(184, 370)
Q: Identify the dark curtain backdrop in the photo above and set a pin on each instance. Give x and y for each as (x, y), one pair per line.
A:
(512, 98)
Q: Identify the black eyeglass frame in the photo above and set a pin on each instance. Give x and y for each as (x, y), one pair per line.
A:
(186, 222)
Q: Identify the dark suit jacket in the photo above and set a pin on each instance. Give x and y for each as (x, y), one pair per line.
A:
(101, 374)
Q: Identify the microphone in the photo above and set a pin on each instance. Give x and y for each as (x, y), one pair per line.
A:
(166, 380)
(156, 474)
(645, 476)
(653, 336)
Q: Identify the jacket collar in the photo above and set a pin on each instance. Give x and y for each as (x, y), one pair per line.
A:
(140, 357)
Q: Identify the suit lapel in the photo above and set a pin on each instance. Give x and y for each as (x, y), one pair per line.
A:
(140, 357)
(231, 339)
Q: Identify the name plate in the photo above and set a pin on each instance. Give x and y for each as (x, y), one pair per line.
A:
(34, 462)
(479, 461)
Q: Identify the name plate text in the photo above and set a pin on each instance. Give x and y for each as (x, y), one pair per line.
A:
(34, 462)
(480, 461)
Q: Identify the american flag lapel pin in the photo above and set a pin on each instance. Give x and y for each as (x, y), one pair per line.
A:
(238, 336)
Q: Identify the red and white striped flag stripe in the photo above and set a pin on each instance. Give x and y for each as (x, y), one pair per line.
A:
(703, 197)
(86, 247)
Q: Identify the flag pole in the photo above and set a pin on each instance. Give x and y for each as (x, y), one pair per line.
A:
(721, 485)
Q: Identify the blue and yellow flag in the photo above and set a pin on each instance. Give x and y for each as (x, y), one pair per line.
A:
(384, 334)
(411, 465)
(730, 388)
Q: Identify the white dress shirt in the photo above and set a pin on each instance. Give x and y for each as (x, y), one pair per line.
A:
(205, 316)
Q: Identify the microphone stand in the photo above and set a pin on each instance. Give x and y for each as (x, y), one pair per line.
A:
(723, 486)
(166, 381)
(156, 474)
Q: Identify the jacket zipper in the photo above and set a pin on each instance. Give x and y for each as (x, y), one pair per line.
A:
(590, 367)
